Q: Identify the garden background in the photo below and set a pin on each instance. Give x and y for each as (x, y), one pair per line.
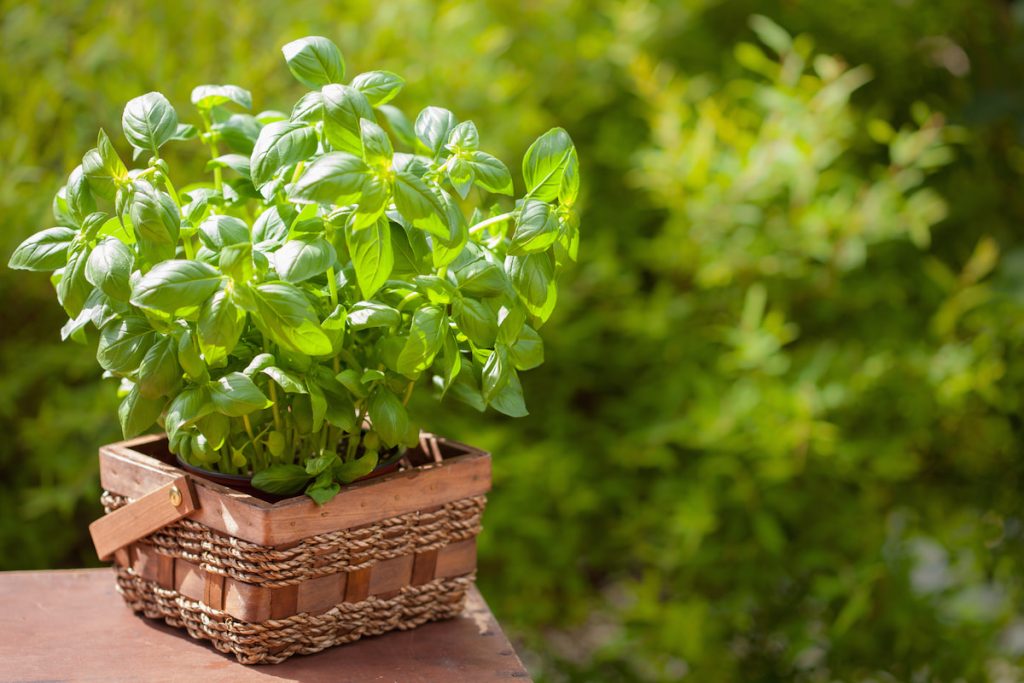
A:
(778, 432)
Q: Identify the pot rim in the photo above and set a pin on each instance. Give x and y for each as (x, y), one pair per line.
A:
(246, 479)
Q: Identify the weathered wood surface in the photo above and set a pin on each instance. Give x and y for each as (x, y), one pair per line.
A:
(72, 626)
(125, 469)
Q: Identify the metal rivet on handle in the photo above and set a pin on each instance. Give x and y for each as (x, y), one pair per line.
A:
(175, 496)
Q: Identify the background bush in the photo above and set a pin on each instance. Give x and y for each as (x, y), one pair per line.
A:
(777, 436)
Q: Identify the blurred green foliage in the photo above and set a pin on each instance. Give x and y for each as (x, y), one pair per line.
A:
(777, 435)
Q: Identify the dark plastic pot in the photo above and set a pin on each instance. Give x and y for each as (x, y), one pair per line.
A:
(243, 483)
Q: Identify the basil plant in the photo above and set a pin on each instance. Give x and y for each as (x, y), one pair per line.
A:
(276, 318)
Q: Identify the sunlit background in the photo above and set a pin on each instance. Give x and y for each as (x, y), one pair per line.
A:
(778, 432)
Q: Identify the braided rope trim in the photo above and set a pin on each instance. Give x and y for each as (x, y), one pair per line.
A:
(274, 641)
(346, 550)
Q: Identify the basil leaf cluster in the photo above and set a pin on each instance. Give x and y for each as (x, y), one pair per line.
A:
(276, 316)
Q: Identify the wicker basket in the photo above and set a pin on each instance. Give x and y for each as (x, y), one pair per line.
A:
(265, 581)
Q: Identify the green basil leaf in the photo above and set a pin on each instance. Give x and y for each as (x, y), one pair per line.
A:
(79, 196)
(367, 314)
(290, 382)
(490, 173)
(340, 411)
(60, 208)
(426, 335)
(379, 87)
(46, 250)
(416, 201)
(271, 226)
(374, 201)
(536, 229)
(466, 388)
(334, 327)
(73, 288)
(219, 231)
(137, 413)
(112, 164)
(101, 183)
(356, 469)
(324, 489)
(185, 131)
(215, 427)
(279, 145)
(309, 108)
(496, 372)
(239, 131)
(239, 163)
(388, 416)
(344, 107)
(528, 352)
(335, 178)
(317, 402)
(197, 203)
(481, 278)
(320, 463)
(314, 61)
(377, 148)
(209, 96)
(220, 326)
(284, 314)
(437, 290)
(509, 399)
(236, 395)
(258, 363)
(155, 220)
(174, 285)
(349, 379)
(280, 479)
(109, 267)
(533, 277)
(149, 121)
(372, 256)
(188, 356)
(187, 408)
(511, 320)
(236, 261)
(451, 361)
(123, 344)
(398, 123)
(372, 376)
(159, 372)
(446, 251)
(433, 126)
(461, 175)
(97, 310)
(304, 257)
(477, 321)
(545, 164)
(569, 190)
(464, 137)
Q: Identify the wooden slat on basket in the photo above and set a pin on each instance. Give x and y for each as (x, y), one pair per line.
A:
(169, 503)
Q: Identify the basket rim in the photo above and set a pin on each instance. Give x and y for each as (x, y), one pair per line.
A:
(127, 469)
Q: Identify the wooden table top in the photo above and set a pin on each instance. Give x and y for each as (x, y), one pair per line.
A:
(72, 625)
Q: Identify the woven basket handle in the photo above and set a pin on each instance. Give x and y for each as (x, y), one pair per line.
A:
(140, 518)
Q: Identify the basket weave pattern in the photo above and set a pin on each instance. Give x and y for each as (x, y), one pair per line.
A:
(274, 641)
(339, 551)
(264, 604)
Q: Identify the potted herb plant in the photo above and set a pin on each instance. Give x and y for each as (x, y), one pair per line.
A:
(274, 320)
